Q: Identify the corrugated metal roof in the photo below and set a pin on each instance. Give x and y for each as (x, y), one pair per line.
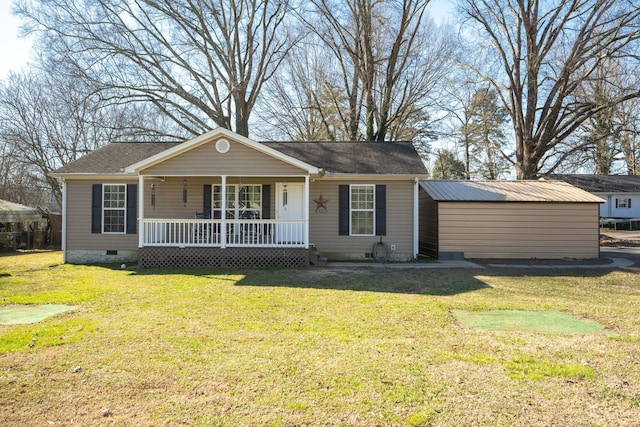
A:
(507, 191)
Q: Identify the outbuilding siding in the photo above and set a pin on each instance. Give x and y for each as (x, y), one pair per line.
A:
(519, 230)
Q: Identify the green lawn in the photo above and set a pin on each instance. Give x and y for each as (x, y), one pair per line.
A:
(313, 347)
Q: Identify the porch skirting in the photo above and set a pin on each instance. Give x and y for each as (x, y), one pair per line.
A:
(201, 257)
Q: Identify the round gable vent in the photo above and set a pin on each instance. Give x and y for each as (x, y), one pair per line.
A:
(222, 146)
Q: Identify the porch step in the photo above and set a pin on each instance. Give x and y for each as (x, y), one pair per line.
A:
(316, 259)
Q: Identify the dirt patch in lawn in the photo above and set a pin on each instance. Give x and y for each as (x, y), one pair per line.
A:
(543, 321)
(22, 314)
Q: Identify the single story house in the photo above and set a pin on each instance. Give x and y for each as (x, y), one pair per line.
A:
(221, 199)
(621, 193)
(507, 219)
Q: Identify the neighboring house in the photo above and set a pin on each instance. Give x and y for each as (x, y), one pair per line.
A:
(621, 193)
(507, 219)
(221, 199)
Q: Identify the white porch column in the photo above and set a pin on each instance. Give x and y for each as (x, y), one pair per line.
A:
(140, 211)
(306, 212)
(223, 214)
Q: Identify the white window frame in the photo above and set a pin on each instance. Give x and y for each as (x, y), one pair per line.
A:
(372, 210)
(123, 209)
(623, 203)
(234, 190)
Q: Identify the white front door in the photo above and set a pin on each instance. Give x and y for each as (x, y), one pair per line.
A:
(290, 206)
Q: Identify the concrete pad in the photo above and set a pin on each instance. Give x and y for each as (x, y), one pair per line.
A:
(617, 262)
(405, 265)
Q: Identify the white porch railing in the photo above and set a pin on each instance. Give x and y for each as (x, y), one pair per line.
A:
(239, 233)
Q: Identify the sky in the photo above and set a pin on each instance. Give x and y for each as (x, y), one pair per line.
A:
(15, 51)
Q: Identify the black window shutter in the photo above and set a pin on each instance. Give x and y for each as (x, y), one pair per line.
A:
(96, 208)
(616, 202)
(343, 210)
(629, 203)
(206, 201)
(266, 202)
(381, 210)
(132, 217)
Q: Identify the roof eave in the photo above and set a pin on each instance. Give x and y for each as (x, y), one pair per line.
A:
(343, 175)
(85, 175)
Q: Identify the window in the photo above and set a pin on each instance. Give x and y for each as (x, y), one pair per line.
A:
(362, 210)
(623, 203)
(245, 203)
(249, 201)
(114, 208)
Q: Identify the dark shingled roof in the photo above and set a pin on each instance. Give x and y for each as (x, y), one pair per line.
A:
(112, 157)
(387, 158)
(603, 183)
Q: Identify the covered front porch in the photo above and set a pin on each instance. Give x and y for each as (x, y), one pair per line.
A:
(192, 220)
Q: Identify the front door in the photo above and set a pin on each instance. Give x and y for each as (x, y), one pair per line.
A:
(290, 206)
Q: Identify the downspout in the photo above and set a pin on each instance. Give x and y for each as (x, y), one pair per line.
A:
(416, 219)
(64, 221)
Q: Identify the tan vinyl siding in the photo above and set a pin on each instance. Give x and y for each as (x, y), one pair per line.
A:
(323, 227)
(79, 236)
(169, 202)
(205, 160)
(519, 230)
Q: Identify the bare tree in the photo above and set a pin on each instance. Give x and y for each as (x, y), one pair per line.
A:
(543, 52)
(202, 63)
(300, 105)
(628, 115)
(367, 69)
(605, 142)
(49, 120)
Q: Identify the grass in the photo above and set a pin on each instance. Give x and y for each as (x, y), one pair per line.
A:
(312, 347)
